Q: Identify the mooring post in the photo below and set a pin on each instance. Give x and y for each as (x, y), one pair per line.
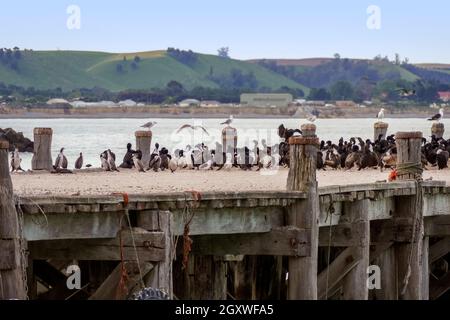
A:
(380, 128)
(143, 143)
(437, 129)
(409, 213)
(42, 156)
(355, 281)
(12, 280)
(302, 283)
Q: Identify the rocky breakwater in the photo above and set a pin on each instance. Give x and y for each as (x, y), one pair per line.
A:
(16, 140)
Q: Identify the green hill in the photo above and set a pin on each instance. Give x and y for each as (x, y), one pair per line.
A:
(77, 69)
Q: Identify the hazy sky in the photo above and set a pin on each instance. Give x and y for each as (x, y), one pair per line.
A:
(419, 30)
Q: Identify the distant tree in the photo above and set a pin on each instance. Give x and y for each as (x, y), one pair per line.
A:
(137, 59)
(17, 54)
(337, 56)
(319, 94)
(341, 90)
(124, 58)
(377, 57)
(211, 71)
(397, 60)
(405, 60)
(174, 88)
(223, 52)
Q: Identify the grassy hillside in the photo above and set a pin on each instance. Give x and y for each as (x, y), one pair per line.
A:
(75, 69)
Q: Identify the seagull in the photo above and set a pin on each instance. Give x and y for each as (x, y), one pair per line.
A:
(311, 118)
(192, 127)
(229, 121)
(380, 114)
(437, 116)
(149, 125)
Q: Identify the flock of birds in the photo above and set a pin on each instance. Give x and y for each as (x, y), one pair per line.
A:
(343, 154)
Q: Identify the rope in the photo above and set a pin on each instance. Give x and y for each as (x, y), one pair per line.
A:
(330, 212)
(407, 168)
(416, 232)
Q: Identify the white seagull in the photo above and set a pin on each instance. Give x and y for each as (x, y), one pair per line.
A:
(229, 121)
(149, 125)
(437, 116)
(380, 114)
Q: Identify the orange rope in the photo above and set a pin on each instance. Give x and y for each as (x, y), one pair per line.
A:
(187, 240)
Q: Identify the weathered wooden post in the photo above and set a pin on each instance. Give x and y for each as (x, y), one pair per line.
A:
(408, 212)
(12, 282)
(437, 129)
(380, 128)
(42, 156)
(143, 143)
(355, 281)
(229, 141)
(304, 214)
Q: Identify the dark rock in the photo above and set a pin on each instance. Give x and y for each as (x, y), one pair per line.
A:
(16, 139)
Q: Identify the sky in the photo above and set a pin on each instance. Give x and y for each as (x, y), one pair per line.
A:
(415, 29)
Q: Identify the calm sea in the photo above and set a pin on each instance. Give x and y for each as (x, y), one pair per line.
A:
(93, 136)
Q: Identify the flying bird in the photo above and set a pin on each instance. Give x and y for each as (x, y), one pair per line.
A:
(437, 116)
(228, 121)
(405, 92)
(149, 125)
(192, 127)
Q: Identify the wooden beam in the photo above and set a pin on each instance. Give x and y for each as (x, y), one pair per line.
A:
(336, 271)
(150, 246)
(110, 289)
(439, 249)
(302, 282)
(355, 281)
(12, 282)
(383, 256)
(437, 226)
(283, 241)
(439, 287)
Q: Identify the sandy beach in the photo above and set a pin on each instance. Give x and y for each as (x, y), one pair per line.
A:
(103, 183)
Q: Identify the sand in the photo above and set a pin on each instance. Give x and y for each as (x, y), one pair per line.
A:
(132, 182)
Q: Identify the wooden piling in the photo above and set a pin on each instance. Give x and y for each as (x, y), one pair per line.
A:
(12, 280)
(437, 129)
(42, 156)
(355, 282)
(408, 211)
(380, 128)
(143, 143)
(304, 214)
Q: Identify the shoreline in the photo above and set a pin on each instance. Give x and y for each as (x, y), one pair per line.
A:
(130, 115)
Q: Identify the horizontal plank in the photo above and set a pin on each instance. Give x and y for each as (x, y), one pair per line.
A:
(437, 226)
(286, 241)
(149, 247)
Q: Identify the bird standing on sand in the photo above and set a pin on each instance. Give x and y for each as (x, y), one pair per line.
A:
(111, 161)
(79, 162)
(15, 161)
(437, 116)
(149, 125)
(380, 114)
(228, 121)
(173, 164)
(192, 127)
(138, 163)
(61, 160)
(104, 161)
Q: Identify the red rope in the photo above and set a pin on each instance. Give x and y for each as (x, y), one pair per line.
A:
(187, 240)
